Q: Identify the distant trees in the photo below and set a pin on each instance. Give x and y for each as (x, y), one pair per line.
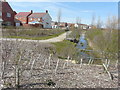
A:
(78, 20)
(112, 22)
(99, 23)
(93, 21)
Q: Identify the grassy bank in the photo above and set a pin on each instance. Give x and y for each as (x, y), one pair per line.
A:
(65, 49)
(75, 33)
(34, 38)
(104, 42)
(34, 34)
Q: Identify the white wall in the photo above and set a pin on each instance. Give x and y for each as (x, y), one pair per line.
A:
(47, 19)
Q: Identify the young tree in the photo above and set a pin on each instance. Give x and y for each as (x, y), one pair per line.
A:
(59, 16)
(112, 22)
(78, 20)
(93, 22)
(99, 23)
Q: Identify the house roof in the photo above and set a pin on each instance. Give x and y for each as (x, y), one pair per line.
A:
(37, 15)
(17, 21)
(23, 14)
(6, 7)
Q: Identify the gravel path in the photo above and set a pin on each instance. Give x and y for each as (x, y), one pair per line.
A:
(55, 39)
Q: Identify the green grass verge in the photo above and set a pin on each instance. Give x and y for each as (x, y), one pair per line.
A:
(34, 38)
(65, 48)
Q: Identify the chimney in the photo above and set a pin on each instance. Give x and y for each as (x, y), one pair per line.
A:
(31, 11)
(46, 11)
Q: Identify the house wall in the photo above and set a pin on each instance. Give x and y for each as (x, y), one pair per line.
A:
(47, 21)
(34, 19)
(22, 19)
(7, 20)
(7, 9)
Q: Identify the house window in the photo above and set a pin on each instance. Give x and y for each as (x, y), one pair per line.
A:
(0, 13)
(8, 15)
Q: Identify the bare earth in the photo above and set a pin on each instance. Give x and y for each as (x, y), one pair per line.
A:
(63, 73)
(67, 75)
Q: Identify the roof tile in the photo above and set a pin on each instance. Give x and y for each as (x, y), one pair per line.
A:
(37, 15)
(23, 14)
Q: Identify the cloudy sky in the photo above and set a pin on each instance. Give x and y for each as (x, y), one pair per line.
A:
(69, 10)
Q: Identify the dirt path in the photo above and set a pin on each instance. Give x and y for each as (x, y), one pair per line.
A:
(55, 39)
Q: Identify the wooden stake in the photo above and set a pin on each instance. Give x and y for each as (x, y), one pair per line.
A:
(81, 62)
(110, 75)
(49, 59)
(56, 66)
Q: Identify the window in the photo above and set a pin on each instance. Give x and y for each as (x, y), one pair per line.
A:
(31, 19)
(0, 13)
(8, 15)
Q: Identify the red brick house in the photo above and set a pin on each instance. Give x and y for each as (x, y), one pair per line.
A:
(6, 14)
(22, 17)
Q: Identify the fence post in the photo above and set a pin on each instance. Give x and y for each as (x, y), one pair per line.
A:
(44, 63)
(56, 66)
(108, 63)
(17, 77)
(49, 59)
(81, 60)
(89, 61)
(116, 65)
(68, 59)
(64, 65)
(110, 75)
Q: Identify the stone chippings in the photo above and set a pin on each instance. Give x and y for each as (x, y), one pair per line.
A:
(71, 76)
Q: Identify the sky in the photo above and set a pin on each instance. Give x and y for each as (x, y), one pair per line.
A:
(70, 10)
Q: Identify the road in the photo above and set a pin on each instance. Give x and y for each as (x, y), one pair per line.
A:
(55, 39)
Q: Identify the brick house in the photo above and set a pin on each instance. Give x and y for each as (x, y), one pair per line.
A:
(21, 18)
(1, 14)
(41, 19)
(6, 14)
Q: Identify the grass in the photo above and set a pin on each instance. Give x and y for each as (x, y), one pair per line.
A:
(104, 40)
(65, 48)
(75, 33)
(34, 34)
(34, 38)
